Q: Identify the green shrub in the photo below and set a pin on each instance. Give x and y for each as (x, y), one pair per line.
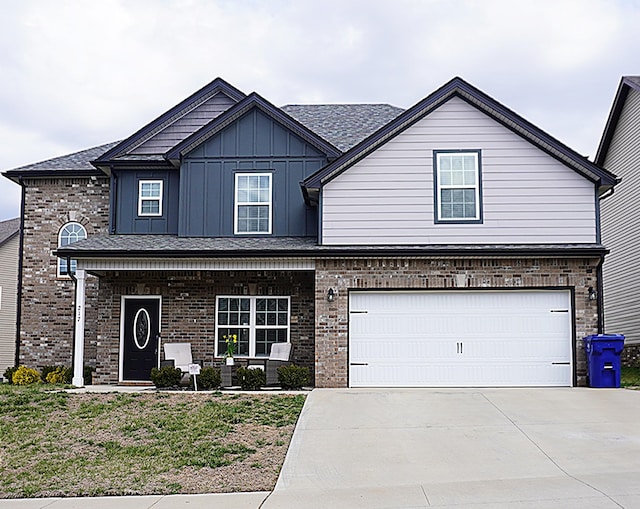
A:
(60, 375)
(293, 377)
(251, 379)
(56, 374)
(8, 374)
(87, 373)
(166, 376)
(26, 376)
(209, 378)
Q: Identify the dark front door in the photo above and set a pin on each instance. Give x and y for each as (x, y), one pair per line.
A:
(140, 338)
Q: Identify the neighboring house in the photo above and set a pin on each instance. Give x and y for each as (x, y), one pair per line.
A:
(619, 152)
(451, 244)
(9, 263)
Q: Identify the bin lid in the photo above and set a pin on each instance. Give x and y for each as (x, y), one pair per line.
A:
(605, 337)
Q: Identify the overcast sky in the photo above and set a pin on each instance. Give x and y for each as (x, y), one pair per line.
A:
(75, 74)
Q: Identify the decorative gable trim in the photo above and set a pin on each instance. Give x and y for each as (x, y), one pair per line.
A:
(253, 100)
(457, 87)
(626, 84)
(189, 104)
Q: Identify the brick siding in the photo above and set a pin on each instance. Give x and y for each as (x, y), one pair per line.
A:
(342, 275)
(47, 327)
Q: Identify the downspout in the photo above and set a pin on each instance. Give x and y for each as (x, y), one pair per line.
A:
(113, 190)
(600, 299)
(20, 267)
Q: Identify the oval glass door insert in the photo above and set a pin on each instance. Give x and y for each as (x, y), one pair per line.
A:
(141, 329)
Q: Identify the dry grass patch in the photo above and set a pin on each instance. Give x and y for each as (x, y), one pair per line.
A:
(60, 444)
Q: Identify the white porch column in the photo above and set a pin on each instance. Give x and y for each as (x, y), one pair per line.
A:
(78, 352)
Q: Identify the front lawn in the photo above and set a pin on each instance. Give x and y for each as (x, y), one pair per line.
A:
(61, 444)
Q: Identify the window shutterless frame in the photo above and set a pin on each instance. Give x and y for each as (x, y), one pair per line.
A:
(457, 178)
(256, 321)
(150, 198)
(68, 234)
(253, 206)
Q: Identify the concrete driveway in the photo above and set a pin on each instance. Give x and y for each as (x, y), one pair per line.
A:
(489, 448)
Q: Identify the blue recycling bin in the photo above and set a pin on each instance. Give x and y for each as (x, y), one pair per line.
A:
(603, 359)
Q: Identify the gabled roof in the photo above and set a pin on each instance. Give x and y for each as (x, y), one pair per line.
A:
(626, 84)
(169, 117)
(344, 125)
(253, 100)
(457, 87)
(76, 164)
(9, 229)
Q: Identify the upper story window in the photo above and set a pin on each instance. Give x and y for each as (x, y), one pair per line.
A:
(150, 198)
(458, 196)
(253, 203)
(69, 233)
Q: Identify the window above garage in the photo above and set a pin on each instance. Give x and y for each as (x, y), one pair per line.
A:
(457, 178)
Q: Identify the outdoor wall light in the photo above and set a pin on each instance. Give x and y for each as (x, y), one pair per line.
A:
(331, 295)
(593, 295)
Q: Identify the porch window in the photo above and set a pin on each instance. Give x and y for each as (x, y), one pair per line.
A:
(258, 322)
(458, 186)
(150, 198)
(253, 203)
(68, 234)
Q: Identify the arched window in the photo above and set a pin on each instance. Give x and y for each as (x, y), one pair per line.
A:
(69, 233)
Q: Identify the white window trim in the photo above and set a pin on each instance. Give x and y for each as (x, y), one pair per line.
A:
(252, 323)
(237, 204)
(475, 187)
(150, 198)
(59, 261)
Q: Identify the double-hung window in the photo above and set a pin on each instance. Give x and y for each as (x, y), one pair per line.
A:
(150, 198)
(253, 203)
(68, 234)
(458, 196)
(258, 322)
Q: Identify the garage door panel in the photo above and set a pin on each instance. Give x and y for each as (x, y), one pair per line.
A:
(453, 338)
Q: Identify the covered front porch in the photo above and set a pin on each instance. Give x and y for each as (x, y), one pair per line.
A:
(144, 303)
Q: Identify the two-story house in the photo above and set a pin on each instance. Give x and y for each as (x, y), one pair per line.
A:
(451, 244)
(619, 152)
(9, 268)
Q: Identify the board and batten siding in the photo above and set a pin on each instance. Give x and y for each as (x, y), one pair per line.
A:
(176, 131)
(255, 143)
(9, 255)
(527, 196)
(620, 220)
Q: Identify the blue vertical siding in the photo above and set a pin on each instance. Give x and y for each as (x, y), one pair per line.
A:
(253, 143)
(125, 213)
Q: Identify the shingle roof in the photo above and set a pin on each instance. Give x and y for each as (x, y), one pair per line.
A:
(168, 246)
(8, 229)
(626, 84)
(343, 125)
(77, 162)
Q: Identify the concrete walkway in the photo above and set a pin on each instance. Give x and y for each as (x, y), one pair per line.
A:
(472, 448)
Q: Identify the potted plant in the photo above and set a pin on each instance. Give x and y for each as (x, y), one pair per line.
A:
(231, 340)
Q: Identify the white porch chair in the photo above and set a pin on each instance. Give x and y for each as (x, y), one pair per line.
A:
(179, 356)
(280, 355)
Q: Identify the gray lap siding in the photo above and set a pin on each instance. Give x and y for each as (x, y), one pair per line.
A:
(343, 275)
(188, 312)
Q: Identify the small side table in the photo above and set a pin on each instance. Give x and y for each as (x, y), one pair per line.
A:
(227, 374)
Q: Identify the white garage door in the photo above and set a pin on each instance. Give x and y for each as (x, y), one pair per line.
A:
(460, 339)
